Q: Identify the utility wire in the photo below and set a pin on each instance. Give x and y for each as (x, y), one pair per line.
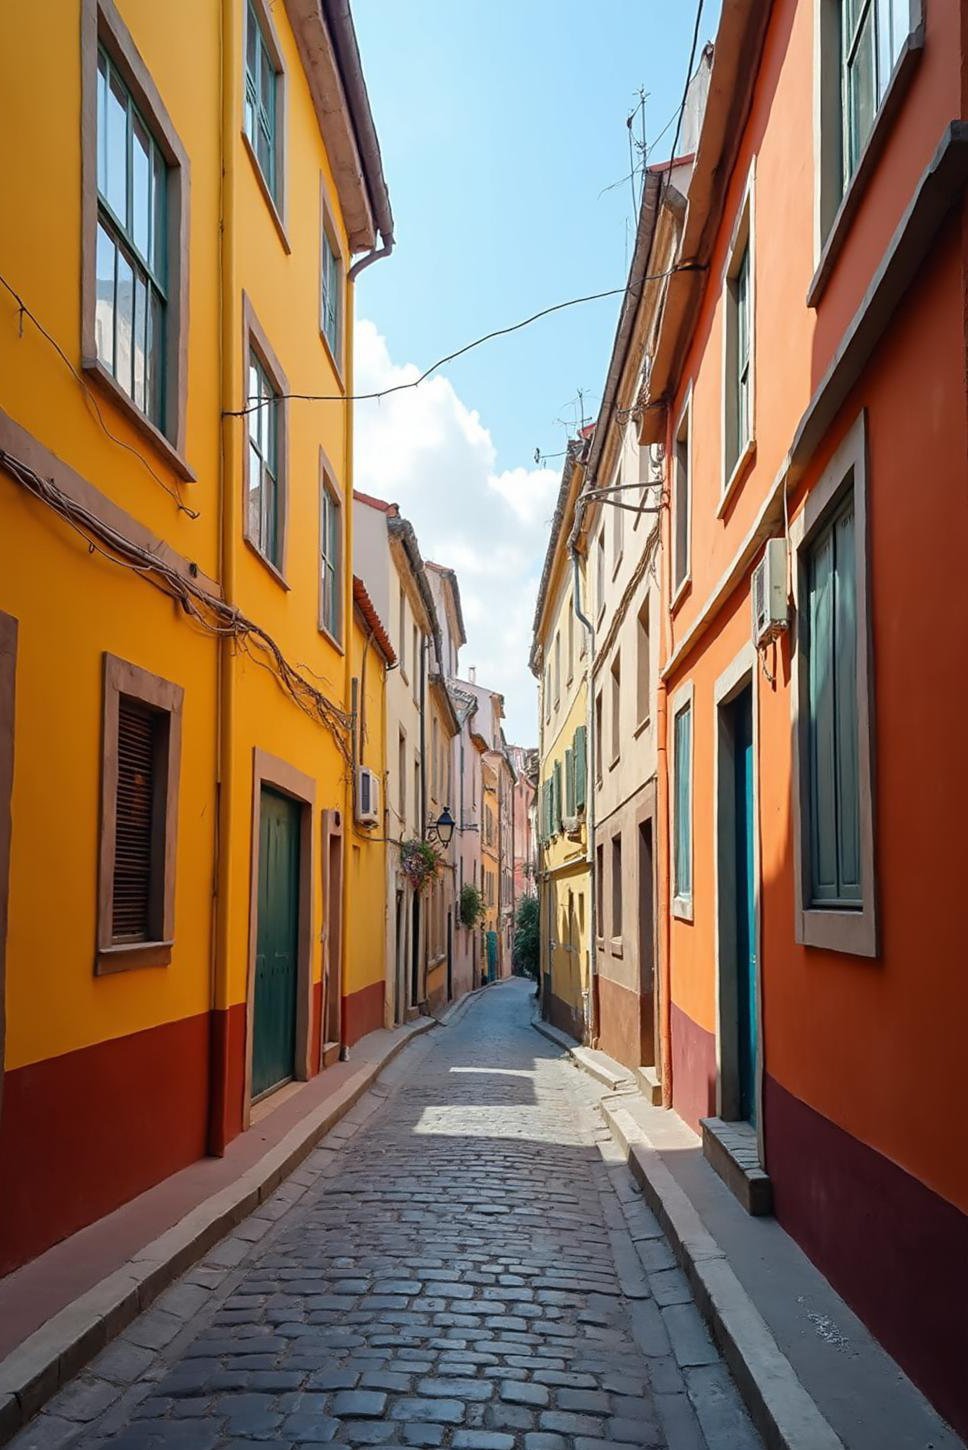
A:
(253, 407)
(25, 311)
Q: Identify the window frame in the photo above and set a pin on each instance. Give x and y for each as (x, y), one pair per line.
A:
(329, 497)
(682, 901)
(163, 697)
(273, 190)
(329, 241)
(103, 28)
(737, 451)
(618, 519)
(682, 434)
(254, 341)
(643, 664)
(844, 929)
(616, 895)
(836, 201)
(615, 709)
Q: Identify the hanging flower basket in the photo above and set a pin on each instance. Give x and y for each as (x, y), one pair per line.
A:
(420, 862)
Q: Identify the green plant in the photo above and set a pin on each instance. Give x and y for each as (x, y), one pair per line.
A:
(471, 908)
(525, 949)
(420, 862)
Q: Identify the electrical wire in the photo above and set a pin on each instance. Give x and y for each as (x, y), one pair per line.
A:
(253, 407)
(25, 311)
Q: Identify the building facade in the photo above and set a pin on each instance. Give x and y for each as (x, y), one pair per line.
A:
(200, 269)
(814, 345)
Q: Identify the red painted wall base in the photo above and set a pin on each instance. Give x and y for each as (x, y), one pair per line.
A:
(693, 1069)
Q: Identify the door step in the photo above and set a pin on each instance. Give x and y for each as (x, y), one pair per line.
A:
(330, 1053)
(732, 1149)
(649, 1085)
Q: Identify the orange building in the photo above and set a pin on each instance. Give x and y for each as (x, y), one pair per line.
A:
(808, 384)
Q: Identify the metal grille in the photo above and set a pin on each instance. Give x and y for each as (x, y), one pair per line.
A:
(137, 753)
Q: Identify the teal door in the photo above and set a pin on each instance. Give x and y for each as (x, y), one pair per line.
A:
(746, 1018)
(274, 1029)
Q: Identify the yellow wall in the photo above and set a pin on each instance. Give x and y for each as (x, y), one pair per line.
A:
(366, 864)
(564, 870)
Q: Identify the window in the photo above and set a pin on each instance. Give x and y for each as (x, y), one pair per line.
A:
(579, 747)
(557, 669)
(616, 888)
(417, 801)
(682, 807)
(569, 781)
(618, 516)
(833, 784)
(682, 500)
(402, 777)
(331, 295)
(643, 666)
(402, 646)
(738, 344)
(330, 561)
(616, 708)
(599, 754)
(547, 692)
(415, 655)
(131, 256)
(872, 33)
(139, 816)
(571, 642)
(263, 515)
(600, 891)
(434, 780)
(262, 94)
(600, 571)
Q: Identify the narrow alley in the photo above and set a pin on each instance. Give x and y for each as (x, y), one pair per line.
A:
(481, 1274)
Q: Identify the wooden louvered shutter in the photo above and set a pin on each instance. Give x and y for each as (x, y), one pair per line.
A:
(580, 748)
(556, 821)
(136, 838)
(569, 782)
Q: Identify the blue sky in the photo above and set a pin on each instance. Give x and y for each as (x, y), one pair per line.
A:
(501, 124)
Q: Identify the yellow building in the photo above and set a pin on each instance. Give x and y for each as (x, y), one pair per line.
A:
(559, 660)
(175, 614)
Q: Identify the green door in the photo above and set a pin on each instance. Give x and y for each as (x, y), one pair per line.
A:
(274, 1032)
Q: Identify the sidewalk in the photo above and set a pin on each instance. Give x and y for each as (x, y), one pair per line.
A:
(812, 1375)
(59, 1310)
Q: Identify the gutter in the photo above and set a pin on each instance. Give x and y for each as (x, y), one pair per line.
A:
(339, 22)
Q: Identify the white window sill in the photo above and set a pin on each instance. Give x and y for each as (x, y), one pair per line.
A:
(642, 725)
(681, 591)
(682, 908)
(740, 469)
(897, 87)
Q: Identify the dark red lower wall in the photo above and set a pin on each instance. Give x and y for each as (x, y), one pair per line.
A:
(618, 1018)
(693, 1069)
(363, 1012)
(228, 1076)
(562, 1016)
(83, 1133)
(896, 1251)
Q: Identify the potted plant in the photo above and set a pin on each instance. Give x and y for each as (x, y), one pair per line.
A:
(420, 862)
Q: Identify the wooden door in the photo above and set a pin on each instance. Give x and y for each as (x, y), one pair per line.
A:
(648, 1012)
(274, 1008)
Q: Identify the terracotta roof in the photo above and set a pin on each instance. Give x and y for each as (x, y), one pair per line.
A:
(367, 608)
(376, 503)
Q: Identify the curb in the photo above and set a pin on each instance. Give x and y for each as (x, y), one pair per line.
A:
(584, 1058)
(59, 1349)
(782, 1410)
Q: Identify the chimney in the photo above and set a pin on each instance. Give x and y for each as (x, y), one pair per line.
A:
(472, 674)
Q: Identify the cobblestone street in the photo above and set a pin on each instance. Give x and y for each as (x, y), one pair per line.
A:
(465, 1261)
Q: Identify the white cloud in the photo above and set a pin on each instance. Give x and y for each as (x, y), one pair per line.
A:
(427, 451)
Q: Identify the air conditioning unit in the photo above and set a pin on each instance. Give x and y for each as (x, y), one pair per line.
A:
(769, 593)
(367, 797)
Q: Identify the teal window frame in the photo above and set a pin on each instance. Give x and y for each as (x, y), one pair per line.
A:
(263, 506)
(331, 565)
(131, 248)
(331, 297)
(833, 727)
(261, 101)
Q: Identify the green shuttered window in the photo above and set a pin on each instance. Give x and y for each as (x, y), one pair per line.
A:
(569, 781)
(834, 792)
(580, 751)
(556, 799)
(683, 803)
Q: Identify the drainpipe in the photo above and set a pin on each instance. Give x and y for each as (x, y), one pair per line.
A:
(369, 259)
(589, 628)
(340, 968)
(663, 844)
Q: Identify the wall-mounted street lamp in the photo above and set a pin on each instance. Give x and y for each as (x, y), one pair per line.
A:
(442, 829)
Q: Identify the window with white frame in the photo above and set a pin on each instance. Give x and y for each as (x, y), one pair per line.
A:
(331, 295)
(872, 33)
(833, 781)
(330, 560)
(264, 521)
(682, 500)
(738, 343)
(682, 745)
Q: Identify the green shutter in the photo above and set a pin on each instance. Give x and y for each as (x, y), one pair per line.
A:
(683, 803)
(834, 796)
(556, 798)
(579, 749)
(569, 782)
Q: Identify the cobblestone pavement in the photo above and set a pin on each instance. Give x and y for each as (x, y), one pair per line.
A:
(464, 1262)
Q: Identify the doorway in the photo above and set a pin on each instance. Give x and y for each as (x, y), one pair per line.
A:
(414, 950)
(277, 943)
(331, 1033)
(648, 1015)
(737, 908)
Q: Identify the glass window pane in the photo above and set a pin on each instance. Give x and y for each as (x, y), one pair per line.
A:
(104, 299)
(823, 808)
(102, 122)
(140, 186)
(125, 323)
(267, 89)
(155, 361)
(140, 325)
(263, 150)
(251, 43)
(159, 217)
(116, 156)
(255, 495)
(846, 725)
(861, 95)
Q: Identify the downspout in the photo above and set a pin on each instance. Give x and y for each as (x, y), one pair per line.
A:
(663, 843)
(219, 1067)
(349, 793)
(368, 260)
(589, 628)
